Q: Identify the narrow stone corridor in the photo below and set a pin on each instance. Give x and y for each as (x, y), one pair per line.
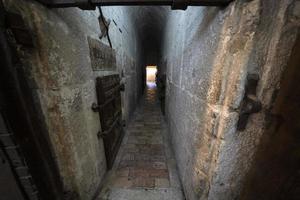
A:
(145, 167)
(81, 116)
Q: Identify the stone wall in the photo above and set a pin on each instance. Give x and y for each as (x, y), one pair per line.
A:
(274, 174)
(207, 56)
(125, 41)
(188, 55)
(206, 53)
(273, 40)
(62, 81)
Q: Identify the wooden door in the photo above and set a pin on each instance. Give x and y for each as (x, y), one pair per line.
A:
(110, 111)
(10, 182)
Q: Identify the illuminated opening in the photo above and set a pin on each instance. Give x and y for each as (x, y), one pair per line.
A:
(151, 75)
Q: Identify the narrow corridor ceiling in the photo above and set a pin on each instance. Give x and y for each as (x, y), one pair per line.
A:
(150, 21)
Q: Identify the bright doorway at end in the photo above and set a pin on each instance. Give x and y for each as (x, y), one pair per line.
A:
(151, 75)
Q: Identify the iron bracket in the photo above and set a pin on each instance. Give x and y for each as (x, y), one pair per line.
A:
(122, 87)
(102, 134)
(250, 104)
(95, 107)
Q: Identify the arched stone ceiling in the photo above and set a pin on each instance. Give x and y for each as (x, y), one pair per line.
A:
(150, 19)
(150, 23)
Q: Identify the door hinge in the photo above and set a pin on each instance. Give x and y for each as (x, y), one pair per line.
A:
(101, 134)
(95, 107)
(122, 87)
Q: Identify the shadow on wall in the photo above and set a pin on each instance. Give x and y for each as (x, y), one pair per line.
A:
(276, 173)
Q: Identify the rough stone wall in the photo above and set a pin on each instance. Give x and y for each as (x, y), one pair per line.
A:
(189, 56)
(207, 55)
(273, 37)
(125, 40)
(274, 174)
(62, 81)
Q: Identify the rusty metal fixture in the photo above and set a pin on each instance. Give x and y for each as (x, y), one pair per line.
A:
(123, 123)
(250, 104)
(105, 23)
(102, 134)
(122, 87)
(91, 4)
(95, 107)
(110, 115)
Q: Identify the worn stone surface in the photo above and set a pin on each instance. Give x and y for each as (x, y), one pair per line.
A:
(206, 55)
(145, 164)
(275, 172)
(102, 56)
(59, 70)
(191, 105)
(239, 149)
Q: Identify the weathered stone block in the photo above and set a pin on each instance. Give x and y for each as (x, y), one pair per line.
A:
(102, 56)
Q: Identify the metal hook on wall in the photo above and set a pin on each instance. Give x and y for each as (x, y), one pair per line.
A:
(105, 23)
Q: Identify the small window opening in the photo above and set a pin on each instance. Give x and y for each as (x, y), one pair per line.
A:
(151, 76)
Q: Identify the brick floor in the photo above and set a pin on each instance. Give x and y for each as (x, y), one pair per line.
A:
(143, 159)
(145, 166)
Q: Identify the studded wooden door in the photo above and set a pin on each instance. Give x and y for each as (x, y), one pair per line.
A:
(110, 111)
